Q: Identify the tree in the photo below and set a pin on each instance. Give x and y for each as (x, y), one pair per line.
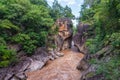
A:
(57, 11)
(68, 12)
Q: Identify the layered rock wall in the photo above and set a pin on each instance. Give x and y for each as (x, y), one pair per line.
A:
(63, 39)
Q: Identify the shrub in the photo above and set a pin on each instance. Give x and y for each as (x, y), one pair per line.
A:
(7, 56)
(110, 69)
(28, 44)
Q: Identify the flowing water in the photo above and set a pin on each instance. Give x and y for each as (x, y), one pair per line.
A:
(63, 68)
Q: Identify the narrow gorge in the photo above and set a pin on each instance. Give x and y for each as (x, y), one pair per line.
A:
(50, 63)
(59, 39)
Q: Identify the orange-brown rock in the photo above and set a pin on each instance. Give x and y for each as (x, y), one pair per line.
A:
(65, 32)
(63, 68)
(62, 40)
(63, 28)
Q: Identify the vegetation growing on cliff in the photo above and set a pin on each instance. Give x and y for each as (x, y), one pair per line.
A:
(104, 17)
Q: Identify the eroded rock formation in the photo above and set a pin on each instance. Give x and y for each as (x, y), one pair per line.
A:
(80, 37)
(79, 40)
(83, 66)
(62, 40)
(64, 37)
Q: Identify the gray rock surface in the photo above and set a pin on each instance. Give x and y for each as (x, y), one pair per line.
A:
(80, 37)
(26, 64)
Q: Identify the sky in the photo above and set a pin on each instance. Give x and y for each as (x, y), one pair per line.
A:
(75, 5)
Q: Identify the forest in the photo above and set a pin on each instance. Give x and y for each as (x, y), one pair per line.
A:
(29, 23)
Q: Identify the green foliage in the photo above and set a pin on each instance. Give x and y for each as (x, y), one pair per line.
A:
(2, 41)
(115, 40)
(25, 40)
(39, 2)
(6, 24)
(7, 56)
(19, 38)
(57, 11)
(90, 43)
(112, 39)
(104, 15)
(25, 22)
(29, 46)
(110, 69)
(68, 12)
(30, 41)
(37, 18)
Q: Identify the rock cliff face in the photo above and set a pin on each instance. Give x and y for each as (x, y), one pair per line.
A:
(80, 37)
(64, 37)
(79, 40)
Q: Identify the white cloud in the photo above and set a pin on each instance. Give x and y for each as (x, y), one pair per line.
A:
(49, 0)
(68, 2)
